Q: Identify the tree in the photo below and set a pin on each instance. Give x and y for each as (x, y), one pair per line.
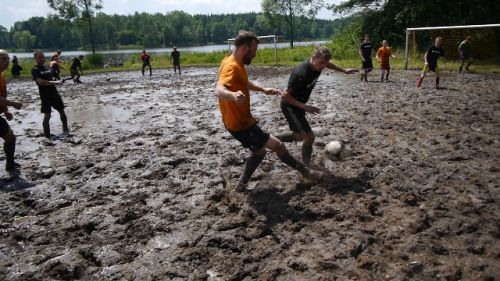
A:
(290, 10)
(23, 40)
(78, 9)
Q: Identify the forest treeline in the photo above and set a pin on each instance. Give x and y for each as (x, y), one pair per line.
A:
(150, 30)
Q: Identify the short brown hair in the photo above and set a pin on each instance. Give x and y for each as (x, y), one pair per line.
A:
(322, 52)
(245, 38)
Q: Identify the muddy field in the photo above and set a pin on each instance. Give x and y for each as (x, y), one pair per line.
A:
(136, 192)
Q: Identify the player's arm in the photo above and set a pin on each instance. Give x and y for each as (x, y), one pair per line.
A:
(224, 93)
(361, 54)
(42, 82)
(268, 91)
(425, 57)
(5, 102)
(378, 55)
(332, 66)
(288, 97)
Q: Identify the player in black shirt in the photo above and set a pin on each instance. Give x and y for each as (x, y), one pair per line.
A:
(294, 99)
(176, 57)
(48, 93)
(366, 54)
(76, 65)
(431, 57)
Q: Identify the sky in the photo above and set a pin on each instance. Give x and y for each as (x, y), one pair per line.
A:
(20, 10)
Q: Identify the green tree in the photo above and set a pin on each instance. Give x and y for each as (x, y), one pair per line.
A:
(290, 10)
(4, 37)
(24, 40)
(78, 9)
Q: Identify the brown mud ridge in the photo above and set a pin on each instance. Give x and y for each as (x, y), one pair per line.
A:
(136, 192)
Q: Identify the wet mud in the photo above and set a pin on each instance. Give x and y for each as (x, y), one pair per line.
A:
(141, 188)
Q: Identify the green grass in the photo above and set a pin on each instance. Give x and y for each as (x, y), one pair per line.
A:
(343, 57)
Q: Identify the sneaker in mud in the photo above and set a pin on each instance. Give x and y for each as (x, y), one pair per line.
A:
(312, 178)
(241, 187)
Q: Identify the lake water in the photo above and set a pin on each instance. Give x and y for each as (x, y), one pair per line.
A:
(194, 49)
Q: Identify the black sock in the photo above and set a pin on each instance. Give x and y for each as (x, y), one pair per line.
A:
(285, 137)
(9, 148)
(437, 81)
(290, 161)
(306, 154)
(64, 121)
(250, 166)
(46, 127)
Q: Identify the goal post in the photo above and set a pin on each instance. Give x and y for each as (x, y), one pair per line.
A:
(411, 29)
(274, 45)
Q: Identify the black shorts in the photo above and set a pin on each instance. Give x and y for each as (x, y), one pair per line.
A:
(54, 101)
(146, 63)
(296, 118)
(253, 138)
(4, 127)
(367, 64)
(177, 63)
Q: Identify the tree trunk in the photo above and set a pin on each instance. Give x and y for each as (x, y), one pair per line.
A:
(290, 22)
(89, 17)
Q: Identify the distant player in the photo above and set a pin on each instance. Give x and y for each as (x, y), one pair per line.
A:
(465, 54)
(146, 62)
(431, 58)
(9, 145)
(55, 65)
(366, 54)
(48, 93)
(294, 99)
(16, 67)
(383, 55)
(76, 69)
(233, 91)
(175, 57)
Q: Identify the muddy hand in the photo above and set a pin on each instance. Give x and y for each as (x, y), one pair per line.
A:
(239, 97)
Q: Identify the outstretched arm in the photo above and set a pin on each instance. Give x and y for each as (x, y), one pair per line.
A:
(332, 66)
(42, 82)
(268, 91)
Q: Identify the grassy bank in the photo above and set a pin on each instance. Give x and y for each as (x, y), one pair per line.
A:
(346, 58)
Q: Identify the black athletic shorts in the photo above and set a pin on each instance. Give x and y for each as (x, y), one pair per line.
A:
(4, 127)
(48, 102)
(296, 118)
(253, 138)
(367, 64)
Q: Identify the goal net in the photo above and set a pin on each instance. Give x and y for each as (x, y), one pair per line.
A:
(484, 44)
(274, 49)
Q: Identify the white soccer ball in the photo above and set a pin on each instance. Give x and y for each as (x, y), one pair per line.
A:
(335, 151)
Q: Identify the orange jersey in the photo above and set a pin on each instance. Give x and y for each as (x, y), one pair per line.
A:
(3, 90)
(234, 77)
(384, 54)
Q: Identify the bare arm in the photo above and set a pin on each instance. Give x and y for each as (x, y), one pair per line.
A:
(268, 91)
(425, 57)
(361, 54)
(224, 93)
(287, 97)
(41, 82)
(332, 66)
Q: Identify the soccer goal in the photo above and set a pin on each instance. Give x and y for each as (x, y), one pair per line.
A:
(266, 42)
(485, 41)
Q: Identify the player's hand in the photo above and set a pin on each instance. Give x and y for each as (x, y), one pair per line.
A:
(272, 91)
(17, 105)
(363, 59)
(8, 115)
(311, 109)
(238, 97)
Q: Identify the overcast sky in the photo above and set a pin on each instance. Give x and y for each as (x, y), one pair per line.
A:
(20, 10)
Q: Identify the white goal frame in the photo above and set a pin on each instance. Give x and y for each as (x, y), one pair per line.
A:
(275, 41)
(408, 30)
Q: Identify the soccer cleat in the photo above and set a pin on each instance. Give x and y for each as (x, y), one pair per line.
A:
(241, 187)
